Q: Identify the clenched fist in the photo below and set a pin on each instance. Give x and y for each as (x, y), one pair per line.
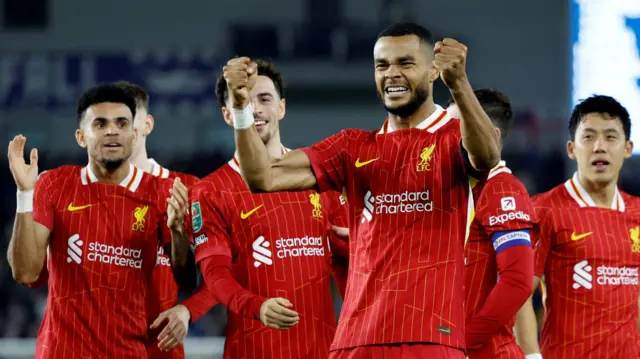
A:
(450, 61)
(240, 74)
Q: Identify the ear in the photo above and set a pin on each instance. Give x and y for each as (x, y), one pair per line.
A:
(80, 138)
(628, 150)
(135, 136)
(228, 118)
(433, 73)
(498, 132)
(283, 108)
(571, 147)
(150, 123)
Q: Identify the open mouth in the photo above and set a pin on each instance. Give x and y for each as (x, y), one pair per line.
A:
(391, 90)
(260, 123)
(113, 145)
(600, 165)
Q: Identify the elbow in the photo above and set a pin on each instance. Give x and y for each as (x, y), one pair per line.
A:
(24, 277)
(484, 163)
(259, 183)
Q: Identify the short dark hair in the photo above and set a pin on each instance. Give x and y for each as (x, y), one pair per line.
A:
(141, 96)
(600, 104)
(105, 93)
(497, 106)
(408, 28)
(265, 68)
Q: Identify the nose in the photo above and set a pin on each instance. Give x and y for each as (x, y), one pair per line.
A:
(599, 146)
(393, 71)
(112, 128)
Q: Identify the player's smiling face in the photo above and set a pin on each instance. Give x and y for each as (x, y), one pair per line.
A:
(600, 147)
(402, 66)
(268, 108)
(108, 134)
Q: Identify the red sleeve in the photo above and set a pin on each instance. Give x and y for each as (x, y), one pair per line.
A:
(218, 277)
(327, 159)
(208, 221)
(200, 302)
(543, 242)
(515, 284)
(338, 216)
(43, 212)
(506, 213)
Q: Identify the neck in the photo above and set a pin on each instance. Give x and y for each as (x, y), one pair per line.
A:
(274, 146)
(113, 176)
(141, 160)
(425, 110)
(602, 193)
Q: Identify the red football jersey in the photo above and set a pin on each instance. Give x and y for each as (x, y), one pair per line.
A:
(163, 292)
(588, 258)
(104, 240)
(504, 215)
(408, 196)
(279, 248)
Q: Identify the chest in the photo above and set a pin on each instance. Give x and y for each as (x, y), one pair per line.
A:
(96, 226)
(592, 234)
(276, 224)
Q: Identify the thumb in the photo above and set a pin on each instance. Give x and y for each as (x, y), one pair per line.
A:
(161, 318)
(252, 69)
(341, 231)
(284, 302)
(33, 158)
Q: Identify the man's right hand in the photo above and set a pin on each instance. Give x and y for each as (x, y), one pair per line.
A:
(275, 314)
(240, 74)
(24, 174)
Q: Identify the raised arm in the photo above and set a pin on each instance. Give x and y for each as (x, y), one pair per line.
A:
(260, 171)
(29, 240)
(478, 133)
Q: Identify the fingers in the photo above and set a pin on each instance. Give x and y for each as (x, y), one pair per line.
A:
(33, 158)
(172, 334)
(284, 302)
(156, 323)
(341, 232)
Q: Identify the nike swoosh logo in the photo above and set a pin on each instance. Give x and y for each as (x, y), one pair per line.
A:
(575, 237)
(360, 164)
(246, 215)
(73, 208)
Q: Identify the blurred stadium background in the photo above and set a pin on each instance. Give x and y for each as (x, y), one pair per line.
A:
(543, 54)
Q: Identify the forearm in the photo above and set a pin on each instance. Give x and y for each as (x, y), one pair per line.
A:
(26, 254)
(478, 133)
(515, 267)
(526, 328)
(227, 291)
(200, 302)
(255, 162)
(183, 261)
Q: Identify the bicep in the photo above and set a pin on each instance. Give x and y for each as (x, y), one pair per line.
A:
(292, 172)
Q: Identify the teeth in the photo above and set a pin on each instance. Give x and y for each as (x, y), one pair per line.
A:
(259, 123)
(396, 89)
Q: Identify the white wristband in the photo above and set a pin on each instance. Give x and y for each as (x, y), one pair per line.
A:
(533, 356)
(242, 119)
(24, 201)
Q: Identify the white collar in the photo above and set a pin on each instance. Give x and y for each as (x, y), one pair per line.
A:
(501, 167)
(435, 121)
(158, 170)
(582, 197)
(131, 181)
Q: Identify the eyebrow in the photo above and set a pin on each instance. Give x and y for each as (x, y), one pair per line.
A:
(399, 59)
(609, 130)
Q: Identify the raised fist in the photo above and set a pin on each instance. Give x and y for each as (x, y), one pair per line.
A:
(450, 61)
(240, 74)
(24, 174)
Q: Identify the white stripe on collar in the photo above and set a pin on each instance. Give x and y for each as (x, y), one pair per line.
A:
(435, 121)
(582, 197)
(501, 167)
(131, 181)
(158, 170)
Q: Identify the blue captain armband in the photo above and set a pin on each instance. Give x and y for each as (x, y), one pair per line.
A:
(508, 239)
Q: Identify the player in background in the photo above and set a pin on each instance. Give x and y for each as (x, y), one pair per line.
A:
(407, 183)
(499, 246)
(102, 224)
(257, 249)
(588, 246)
(169, 320)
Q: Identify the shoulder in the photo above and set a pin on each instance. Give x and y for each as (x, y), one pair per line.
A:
(56, 177)
(187, 179)
(507, 182)
(219, 179)
(631, 202)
